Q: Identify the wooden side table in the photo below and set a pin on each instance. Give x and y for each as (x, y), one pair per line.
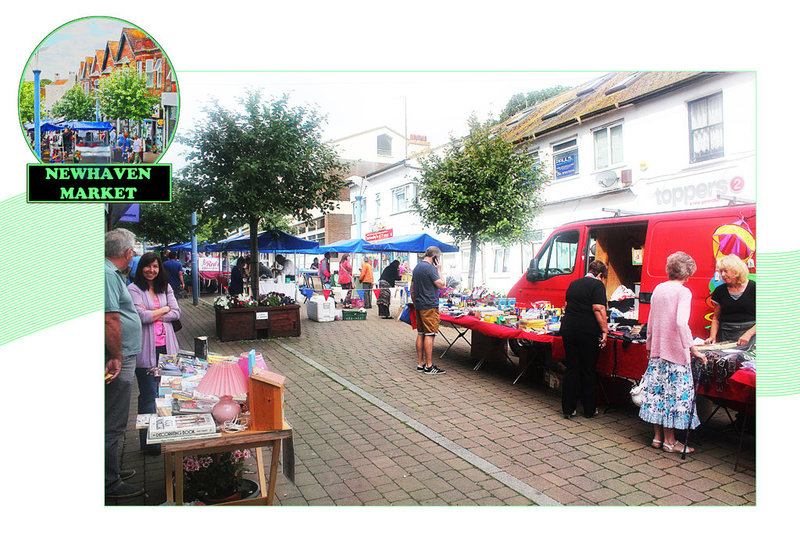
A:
(175, 452)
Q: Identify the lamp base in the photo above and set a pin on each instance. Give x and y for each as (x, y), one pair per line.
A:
(226, 409)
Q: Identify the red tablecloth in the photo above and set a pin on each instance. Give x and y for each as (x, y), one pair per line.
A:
(214, 275)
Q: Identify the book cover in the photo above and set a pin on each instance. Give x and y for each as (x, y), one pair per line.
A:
(181, 425)
(152, 440)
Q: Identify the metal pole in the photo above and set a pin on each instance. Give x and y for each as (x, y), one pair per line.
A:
(358, 215)
(37, 135)
(195, 272)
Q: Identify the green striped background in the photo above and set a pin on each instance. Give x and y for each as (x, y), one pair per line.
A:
(51, 264)
(51, 271)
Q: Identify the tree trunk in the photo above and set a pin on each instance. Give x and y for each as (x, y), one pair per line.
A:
(254, 257)
(473, 255)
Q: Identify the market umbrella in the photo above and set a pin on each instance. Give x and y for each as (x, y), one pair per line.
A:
(735, 238)
(346, 245)
(409, 243)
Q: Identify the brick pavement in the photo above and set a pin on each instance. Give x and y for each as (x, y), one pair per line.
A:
(371, 430)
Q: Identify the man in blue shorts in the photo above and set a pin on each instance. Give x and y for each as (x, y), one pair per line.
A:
(426, 281)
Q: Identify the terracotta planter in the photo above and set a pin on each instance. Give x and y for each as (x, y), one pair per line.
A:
(258, 322)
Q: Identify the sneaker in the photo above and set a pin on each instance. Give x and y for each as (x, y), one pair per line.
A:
(125, 474)
(433, 370)
(420, 368)
(125, 490)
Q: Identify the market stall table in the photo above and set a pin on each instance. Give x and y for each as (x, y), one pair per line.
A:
(174, 453)
(269, 286)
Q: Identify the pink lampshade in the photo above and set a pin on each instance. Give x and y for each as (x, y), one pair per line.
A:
(244, 362)
(223, 378)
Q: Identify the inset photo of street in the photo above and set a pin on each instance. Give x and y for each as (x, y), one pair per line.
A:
(98, 90)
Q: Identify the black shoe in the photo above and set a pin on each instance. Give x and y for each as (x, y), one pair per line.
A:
(420, 368)
(125, 474)
(570, 415)
(433, 370)
(125, 490)
(590, 415)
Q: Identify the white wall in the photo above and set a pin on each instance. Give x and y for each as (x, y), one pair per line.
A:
(364, 146)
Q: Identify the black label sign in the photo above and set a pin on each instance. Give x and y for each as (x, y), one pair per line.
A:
(100, 183)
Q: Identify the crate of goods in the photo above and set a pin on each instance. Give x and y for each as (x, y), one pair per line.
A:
(354, 315)
(320, 309)
(553, 380)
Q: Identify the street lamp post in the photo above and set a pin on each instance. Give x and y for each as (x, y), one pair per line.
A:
(36, 118)
(195, 272)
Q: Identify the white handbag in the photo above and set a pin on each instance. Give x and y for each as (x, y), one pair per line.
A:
(637, 392)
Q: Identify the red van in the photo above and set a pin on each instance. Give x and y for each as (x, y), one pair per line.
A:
(635, 248)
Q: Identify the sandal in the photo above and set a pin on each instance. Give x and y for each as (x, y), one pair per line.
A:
(656, 444)
(677, 447)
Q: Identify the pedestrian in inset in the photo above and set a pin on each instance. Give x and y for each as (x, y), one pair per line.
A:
(668, 396)
(389, 276)
(123, 341)
(137, 149)
(157, 308)
(426, 281)
(584, 331)
(366, 278)
(325, 270)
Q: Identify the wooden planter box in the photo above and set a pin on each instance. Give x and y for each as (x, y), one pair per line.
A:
(260, 322)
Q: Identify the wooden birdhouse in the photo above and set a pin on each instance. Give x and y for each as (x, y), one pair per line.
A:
(266, 400)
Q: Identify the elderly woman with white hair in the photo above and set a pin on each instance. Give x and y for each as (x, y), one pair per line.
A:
(668, 396)
(734, 303)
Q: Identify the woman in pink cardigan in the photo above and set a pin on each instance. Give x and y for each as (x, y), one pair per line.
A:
(668, 398)
(157, 307)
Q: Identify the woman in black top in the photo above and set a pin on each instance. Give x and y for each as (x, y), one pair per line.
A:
(734, 304)
(389, 276)
(237, 277)
(584, 331)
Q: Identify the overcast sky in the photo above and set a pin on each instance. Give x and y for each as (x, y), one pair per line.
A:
(63, 50)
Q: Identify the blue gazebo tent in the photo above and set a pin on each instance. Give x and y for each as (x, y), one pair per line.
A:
(408, 243)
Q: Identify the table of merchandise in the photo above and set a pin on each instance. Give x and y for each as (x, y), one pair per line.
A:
(174, 453)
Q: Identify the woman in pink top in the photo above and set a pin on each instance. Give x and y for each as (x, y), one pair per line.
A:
(157, 307)
(668, 398)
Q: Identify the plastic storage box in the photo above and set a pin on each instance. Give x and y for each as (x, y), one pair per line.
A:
(321, 310)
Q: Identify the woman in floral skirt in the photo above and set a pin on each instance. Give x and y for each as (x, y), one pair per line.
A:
(668, 398)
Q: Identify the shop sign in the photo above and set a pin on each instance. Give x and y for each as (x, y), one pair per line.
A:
(262, 316)
(698, 194)
(377, 236)
(208, 264)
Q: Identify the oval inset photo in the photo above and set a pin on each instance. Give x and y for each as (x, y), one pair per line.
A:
(98, 90)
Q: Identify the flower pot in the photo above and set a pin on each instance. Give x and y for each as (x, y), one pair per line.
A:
(250, 489)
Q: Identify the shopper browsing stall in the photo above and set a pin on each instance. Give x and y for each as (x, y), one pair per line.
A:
(584, 331)
(389, 276)
(668, 397)
(426, 281)
(366, 278)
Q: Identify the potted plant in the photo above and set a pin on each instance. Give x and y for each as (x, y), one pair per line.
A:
(216, 478)
(273, 314)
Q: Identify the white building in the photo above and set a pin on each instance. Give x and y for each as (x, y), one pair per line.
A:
(637, 142)
(58, 88)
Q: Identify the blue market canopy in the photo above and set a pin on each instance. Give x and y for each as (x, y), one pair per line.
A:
(47, 127)
(346, 245)
(268, 241)
(408, 243)
(201, 247)
(87, 125)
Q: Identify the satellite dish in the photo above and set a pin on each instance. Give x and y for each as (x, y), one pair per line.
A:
(607, 178)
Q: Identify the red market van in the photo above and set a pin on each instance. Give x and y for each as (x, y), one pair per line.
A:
(635, 248)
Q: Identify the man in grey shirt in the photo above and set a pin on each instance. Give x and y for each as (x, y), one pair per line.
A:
(426, 281)
(123, 341)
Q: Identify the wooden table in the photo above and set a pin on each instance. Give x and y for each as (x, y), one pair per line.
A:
(175, 452)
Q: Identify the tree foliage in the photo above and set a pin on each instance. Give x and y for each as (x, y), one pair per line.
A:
(520, 101)
(74, 105)
(124, 95)
(480, 189)
(264, 162)
(26, 101)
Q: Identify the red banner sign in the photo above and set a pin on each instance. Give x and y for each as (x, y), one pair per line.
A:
(380, 234)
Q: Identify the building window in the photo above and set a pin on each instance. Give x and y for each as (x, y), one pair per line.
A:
(149, 73)
(501, 260)
(565, 159)
(401, 198)
(377, 205)
(384, 145)
(705, 128)
(159, 78)
(607, 146)
(363, 210)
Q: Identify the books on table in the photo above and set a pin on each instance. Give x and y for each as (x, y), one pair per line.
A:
(180, 427)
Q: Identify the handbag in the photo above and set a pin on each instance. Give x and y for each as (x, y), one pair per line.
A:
(637, 392)
(176, 325)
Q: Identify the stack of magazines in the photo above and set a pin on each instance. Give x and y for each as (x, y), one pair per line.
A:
(181, 427)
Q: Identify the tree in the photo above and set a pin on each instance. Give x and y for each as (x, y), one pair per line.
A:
(124, 95)
(26, 101)
(168, 223)
(520, 101)
(268, 161)
(74, 105)
(481, 189)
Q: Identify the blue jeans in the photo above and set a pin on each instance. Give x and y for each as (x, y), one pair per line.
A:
(117, 405)
(148, 391)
